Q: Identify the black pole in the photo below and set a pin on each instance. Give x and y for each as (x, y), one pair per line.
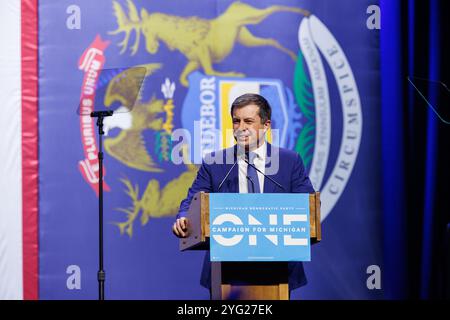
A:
(101, 273)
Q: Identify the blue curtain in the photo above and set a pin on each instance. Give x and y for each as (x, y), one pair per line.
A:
(415, 150)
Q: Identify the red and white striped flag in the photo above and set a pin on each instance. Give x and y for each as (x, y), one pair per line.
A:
(18, 150)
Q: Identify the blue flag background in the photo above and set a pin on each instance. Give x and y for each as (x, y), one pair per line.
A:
(317, 62)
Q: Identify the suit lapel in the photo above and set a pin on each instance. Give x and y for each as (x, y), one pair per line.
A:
(234, 179)
(232, 183)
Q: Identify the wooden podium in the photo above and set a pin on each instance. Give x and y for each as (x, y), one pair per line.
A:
(243, 280)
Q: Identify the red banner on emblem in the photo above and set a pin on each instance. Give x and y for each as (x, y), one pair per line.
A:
(91, 62)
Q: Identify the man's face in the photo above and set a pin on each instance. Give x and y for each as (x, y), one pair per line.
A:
(247, 127)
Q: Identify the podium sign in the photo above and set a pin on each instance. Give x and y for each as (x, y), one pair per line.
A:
(259, 227)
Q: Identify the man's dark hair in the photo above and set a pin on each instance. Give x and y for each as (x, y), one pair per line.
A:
(265, 112)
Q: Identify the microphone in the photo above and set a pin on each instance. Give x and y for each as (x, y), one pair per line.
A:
(248, 163)
(226, 176)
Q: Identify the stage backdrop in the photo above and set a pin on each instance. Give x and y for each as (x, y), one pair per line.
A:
(317, 62)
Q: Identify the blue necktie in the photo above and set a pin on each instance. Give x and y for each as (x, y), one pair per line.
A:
(252, 175)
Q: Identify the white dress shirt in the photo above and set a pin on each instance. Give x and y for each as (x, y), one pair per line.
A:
(259, 162)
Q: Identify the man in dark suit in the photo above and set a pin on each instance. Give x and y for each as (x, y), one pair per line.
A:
(279, 171)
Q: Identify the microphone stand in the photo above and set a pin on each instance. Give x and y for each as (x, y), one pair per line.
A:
(265, 175)
(226, 176)
(100, 115)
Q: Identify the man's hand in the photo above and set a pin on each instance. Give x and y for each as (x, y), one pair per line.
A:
(179, 228)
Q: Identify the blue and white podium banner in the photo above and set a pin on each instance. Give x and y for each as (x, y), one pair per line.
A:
(259, 227)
